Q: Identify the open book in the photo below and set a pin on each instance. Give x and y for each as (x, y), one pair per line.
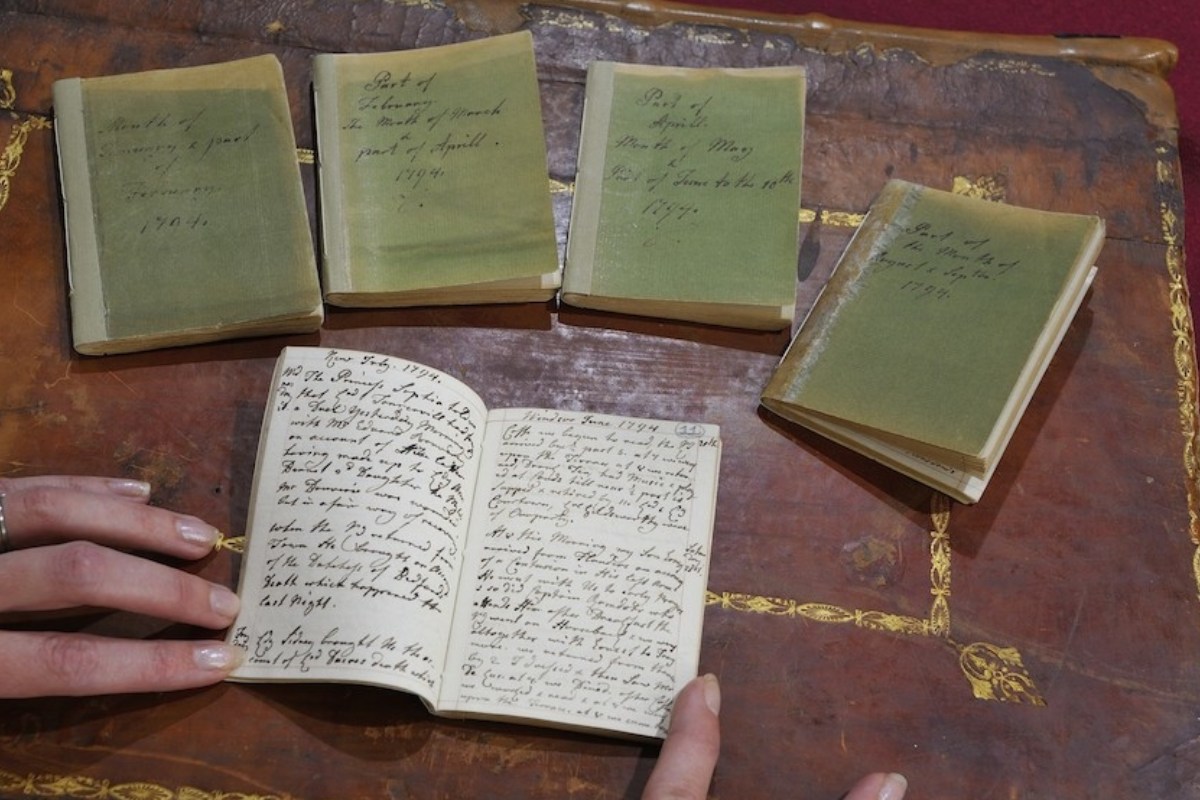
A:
(940, 319)
(547, 567)
(185, 215)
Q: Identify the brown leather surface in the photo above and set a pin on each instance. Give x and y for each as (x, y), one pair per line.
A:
(850, 609)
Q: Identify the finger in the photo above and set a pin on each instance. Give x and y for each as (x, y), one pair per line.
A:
(120, 488)
(689, 754)
(74, 664)
(879, 786)
(38, 514)
(86, 574)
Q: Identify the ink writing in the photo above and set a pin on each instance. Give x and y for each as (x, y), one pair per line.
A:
(366, 500)
(169, 165)
(932, 259)
(412, 134)
(590, 556)
(686, 147)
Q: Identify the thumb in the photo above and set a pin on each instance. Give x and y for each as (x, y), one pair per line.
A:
(689, 754)
(879, 786)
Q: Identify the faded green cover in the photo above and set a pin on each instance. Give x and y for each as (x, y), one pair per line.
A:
(688, 189)
(190, 217)
(939, 319)
(433, 169)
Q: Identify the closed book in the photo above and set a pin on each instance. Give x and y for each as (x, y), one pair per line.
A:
(433, 177)
(939, 321)
(185, 215)
(687, 195)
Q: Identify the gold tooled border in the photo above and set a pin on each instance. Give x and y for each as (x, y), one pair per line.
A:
(36, 784)
(10, 157)
(993, 672)
(1166, 174)
(8, 94)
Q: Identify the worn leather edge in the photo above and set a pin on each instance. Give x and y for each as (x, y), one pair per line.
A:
(1109, 58)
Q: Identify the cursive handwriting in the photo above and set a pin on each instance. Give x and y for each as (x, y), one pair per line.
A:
(682, 143)
(363, 496)
(935, 258)
(172, 166)
(591, 571)
(416, 133)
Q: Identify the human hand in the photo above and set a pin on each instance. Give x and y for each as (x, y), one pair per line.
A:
(62, 544)
(879, 786)
(689, 754)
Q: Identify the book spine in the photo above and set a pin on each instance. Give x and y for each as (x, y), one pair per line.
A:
(883, 219)
(335, 260)
(86, 290)
(589, 181)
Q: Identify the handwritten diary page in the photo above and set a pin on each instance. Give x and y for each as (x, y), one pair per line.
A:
(433, 169)
(357, 520)
(583, 594)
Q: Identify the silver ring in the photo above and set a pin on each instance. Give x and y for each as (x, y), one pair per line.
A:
(5, 542)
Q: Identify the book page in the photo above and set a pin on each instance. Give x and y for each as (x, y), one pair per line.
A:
(433, 167)
(357, 520)
(583, 594)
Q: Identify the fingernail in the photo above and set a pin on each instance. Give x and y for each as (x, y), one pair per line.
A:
(197, 532)
(130, 488)
(218, 656)
(894, 787)
(712, 693)
(224, 602)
